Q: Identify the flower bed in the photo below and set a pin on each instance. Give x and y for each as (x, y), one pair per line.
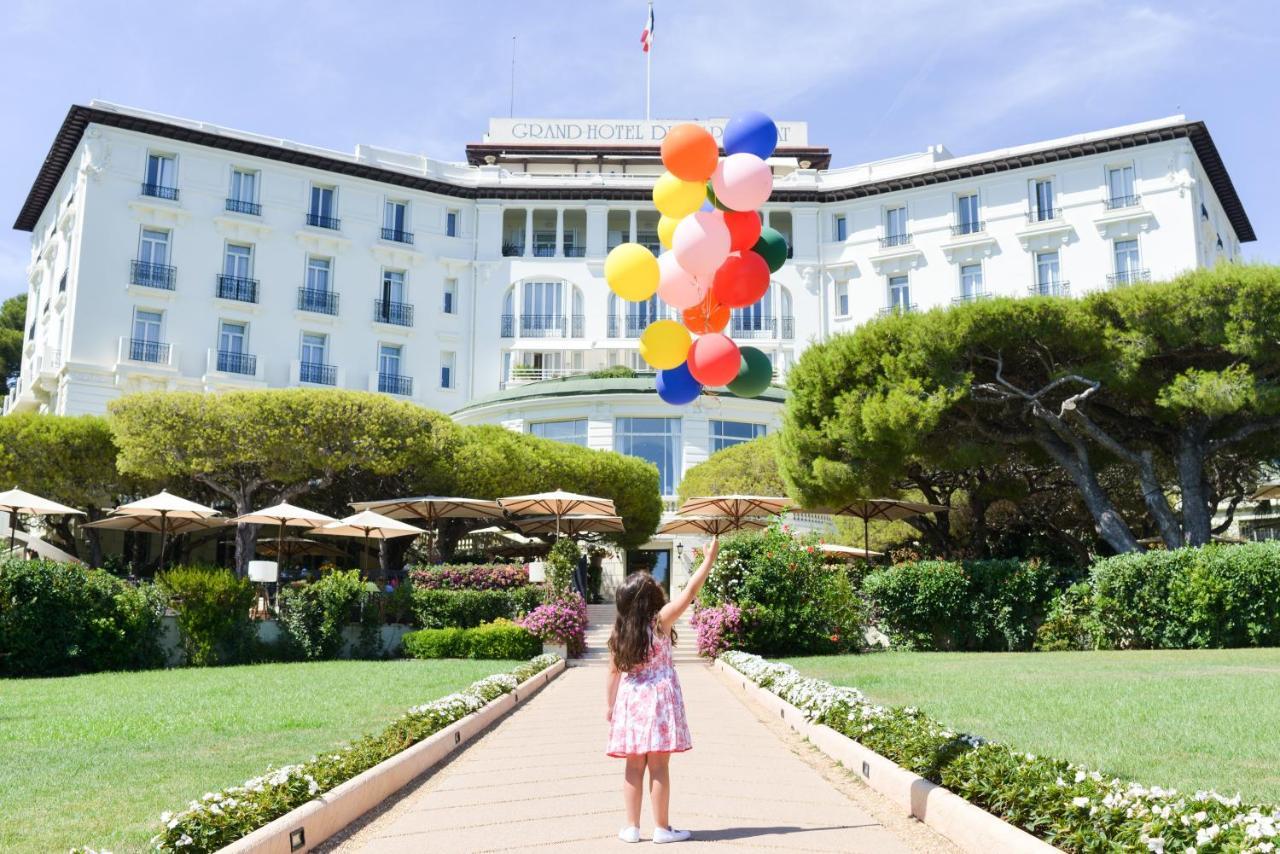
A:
(220, 818)
(1073, 808)
(561, 621)
(485, 576)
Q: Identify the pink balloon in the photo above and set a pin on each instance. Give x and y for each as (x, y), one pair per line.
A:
(701, 243)
(676, 287)
(742, 182)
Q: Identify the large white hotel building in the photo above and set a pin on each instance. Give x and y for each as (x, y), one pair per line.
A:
(175, 254)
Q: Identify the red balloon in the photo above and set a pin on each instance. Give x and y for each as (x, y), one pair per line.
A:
(741, 280)
(714, 360)
(744, 229)
(707, 316)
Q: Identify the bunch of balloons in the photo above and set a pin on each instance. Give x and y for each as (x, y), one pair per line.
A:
(719, 258)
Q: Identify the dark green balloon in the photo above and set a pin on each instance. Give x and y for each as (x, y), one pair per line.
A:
(754, 374)
(711, 197)
(772, 247)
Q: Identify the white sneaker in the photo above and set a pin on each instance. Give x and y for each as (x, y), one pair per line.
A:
(629, 834)
(663, 835)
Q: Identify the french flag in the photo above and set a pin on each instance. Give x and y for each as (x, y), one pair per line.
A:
(646, 38)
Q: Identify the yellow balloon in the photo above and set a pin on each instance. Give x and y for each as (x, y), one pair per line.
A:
(677, 199)
(665, 344)
(667, 229)
(632, 272)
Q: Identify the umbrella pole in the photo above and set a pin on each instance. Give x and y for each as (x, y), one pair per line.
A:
(164, 527)
(866, 539)
(13, 527)
(364, 555)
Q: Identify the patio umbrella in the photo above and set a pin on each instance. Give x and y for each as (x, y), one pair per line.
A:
(888, 509)
(572, 525)
(736, 507)
(837, 550)
(431, 509)
(1267, 490)
(297, 546)
(368, 525)
(16, 501)
(285, 514)
(712, 525)
(558, 504)
(165, 508)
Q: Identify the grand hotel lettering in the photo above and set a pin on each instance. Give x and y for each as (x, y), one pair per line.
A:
(640, 132)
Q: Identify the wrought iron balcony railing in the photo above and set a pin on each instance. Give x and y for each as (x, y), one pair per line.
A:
(973, 297)
(889, 240)
(319, 221)
(397, 236)
(237, 288)
(1044, 215)
(901, 308)
(512, 250)
(152, 275)
(762, 327)
(972, 227)
(313, 299)
(317, 373)
(160, 191)
(1050, 289)
(244, 207)
(575, 251)
(231, 362)
(544, 250)
(1122, 202)
(1129, 277)
(542, 325)
(630, 326)
(395, 384)
(141, 350)
(397, 313)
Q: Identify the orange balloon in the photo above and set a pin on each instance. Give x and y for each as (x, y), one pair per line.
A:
(707, 316)
(690, 153)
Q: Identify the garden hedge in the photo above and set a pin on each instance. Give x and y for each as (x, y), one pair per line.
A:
(466, 609)
(497, 640)
(60, 619)
(213, 614)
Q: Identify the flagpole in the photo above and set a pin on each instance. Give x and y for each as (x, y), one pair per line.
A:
(648, 66)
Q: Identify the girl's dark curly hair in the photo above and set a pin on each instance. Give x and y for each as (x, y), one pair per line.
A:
(639, 599)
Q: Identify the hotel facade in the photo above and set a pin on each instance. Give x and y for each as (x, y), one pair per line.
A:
(175, 254)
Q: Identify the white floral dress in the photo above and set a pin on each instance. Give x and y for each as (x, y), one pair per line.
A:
(648, 713)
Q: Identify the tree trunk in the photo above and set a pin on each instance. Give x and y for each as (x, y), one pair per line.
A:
(1108, 522)
(246, 543)
(391, 556)
(1197, 517)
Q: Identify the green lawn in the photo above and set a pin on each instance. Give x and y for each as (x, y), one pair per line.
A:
(94, 760)
(1188, 719)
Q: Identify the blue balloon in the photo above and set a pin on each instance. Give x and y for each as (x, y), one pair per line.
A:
(750, 132)
(677, 386)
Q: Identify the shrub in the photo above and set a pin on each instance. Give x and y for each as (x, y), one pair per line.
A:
(59, 619)
(992, 605)
(560, 621)
(1212, 596)
(487, 576)
(719, 628)
(438, 609)
(1073, 808)
(792, 603)
(1070, 623)
(314, 615)
(220, 818)
(501, 639)
(213, 613)
(562, 561)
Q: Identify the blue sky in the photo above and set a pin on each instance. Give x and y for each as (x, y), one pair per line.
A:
(873, 79)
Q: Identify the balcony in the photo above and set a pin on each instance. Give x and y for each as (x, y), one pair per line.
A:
(317, 373)
(1128, 277)
(1044, 215)
(543, 325)
(1050, 289)
(886, 242)
(512, 250)
(152, 275)
(321, 302)
(397, 236)
(575, 252)
(142, 350)
(762, 327)
(544, 250)
(630, 326)
(524, 374)
(897, 309)
(244, 207)
(395, 313)
(395, 384)
(237, 288)
(977, 296)
(1117, 202)
(966, 228)
(318, 221)
(159, 191)
(231, 362)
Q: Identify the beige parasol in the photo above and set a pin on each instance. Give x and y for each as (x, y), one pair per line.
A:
(431, 509)
(285, 515)
(572, 525)
(158, 513)
(736, 506)
(887, 509)
(16, 501)
(1267, 491)
(712, 525)
(558, 504)
(368, 525)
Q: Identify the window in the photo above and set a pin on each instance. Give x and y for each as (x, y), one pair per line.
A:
(726, 433)
(970, 281)
(967, 219)
(145, 346)
(237, 262)
(895, 226)
(656, 440)
(244, 186)
(1120, 187)
(389, 360)
(232, 337)
(543, 309)
(447, 359)
(1127, 266)
(449, 304)
(1048, 274)
(392, 286)
(899, 293)
(572, 432)
(161, 174)
(395, 221)
(840, 228)
(1042, 195)
(451, 223)
(154, 248)
(842, 299)
(319, 274)
(323, 209)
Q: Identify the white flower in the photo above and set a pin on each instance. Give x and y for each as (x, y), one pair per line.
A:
(183, 841)
(1156, 845)
(165, 816)
(1207, 834)
(1080, 802)
(1199, 817)
(1080, 776)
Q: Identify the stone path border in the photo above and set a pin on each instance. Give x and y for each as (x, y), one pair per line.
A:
(315, 821)
(969, 826)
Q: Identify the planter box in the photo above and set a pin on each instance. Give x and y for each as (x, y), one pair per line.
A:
(559, 649)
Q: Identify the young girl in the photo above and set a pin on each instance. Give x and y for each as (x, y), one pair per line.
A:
(645, 707)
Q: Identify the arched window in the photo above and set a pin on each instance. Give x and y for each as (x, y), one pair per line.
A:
(756, 320)
(629, 319)
(786, 318)
(577, 318)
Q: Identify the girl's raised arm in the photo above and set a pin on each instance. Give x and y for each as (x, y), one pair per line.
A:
(672, 610)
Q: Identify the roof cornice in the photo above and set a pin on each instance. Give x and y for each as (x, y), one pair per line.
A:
(80, 117)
